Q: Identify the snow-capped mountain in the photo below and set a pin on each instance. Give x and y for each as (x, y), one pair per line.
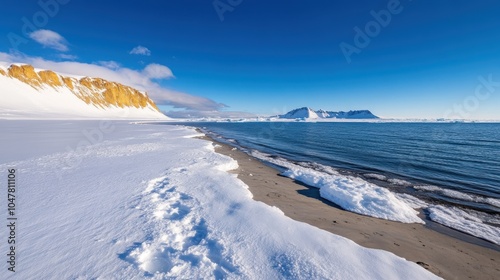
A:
(356, 114)
(300, 113)
(322, 113)
(308, 113)
(27, 92)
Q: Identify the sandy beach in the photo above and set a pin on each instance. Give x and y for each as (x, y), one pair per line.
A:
(447, 255)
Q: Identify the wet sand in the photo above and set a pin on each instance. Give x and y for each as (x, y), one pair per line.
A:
(444, 254)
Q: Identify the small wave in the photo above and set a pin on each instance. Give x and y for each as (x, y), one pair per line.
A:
(375, 176)
(414, 202)
(493, 219)
(228, 141)
(276, 160)
(428, 188)
(458, 219)
(272, 159)
(319, 167)
(460, 195)
(399, 182)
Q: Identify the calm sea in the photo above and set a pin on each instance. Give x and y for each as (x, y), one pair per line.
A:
(454, 163)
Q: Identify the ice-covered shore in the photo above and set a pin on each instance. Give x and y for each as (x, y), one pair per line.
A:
(360, 196)
(350, 193)
(124, 201)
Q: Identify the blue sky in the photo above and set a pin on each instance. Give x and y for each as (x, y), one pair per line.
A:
(268, 57)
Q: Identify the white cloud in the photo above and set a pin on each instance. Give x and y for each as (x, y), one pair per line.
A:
(157, 71)
(50, 39)
(68, 56)
(134, 78)
(109, 64)
(140, 50)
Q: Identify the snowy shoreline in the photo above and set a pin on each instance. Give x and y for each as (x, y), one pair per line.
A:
(440, 249)
(355, 194)
(149, 201)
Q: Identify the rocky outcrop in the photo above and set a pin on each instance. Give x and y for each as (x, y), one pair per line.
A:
(50, 78)
(25, 74)
(93, 91)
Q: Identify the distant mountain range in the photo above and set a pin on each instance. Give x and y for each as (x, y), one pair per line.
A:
(27, 92)
(308, 113)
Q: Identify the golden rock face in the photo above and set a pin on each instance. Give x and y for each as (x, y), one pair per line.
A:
(93, 91)
(25, 74)
(68, 82)
(50, 78)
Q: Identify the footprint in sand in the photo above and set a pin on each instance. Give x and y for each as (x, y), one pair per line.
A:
(274, 195)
